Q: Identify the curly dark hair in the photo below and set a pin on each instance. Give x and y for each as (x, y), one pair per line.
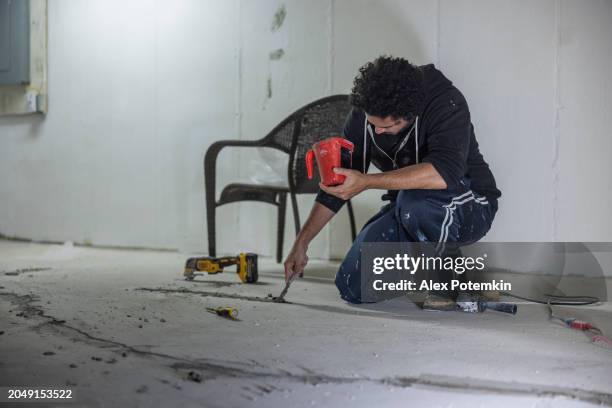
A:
(389, 86)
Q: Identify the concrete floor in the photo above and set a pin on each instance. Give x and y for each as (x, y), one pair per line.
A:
(122, 328)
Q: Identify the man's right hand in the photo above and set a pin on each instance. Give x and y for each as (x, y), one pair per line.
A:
(296, 261)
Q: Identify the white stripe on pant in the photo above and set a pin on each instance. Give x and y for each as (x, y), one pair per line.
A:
(448, 218)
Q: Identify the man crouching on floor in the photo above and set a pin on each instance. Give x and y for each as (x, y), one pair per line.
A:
(414, 125)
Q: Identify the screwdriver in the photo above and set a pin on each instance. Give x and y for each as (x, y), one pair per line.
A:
(281, 297)
(227, 312)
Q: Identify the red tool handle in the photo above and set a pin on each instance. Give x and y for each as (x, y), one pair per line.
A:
(347, 144)
(309, 163)
(579, 324)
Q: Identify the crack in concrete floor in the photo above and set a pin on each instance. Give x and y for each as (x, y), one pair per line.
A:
(17, 272)
(214, 369)
(322, 308)
(215, 294)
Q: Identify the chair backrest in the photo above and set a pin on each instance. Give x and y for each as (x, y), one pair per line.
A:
(317, 121)
(296, 134)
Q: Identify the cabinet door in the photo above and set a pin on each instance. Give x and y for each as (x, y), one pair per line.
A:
(14, 42)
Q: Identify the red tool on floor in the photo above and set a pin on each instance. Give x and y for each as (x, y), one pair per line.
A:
(589, 329)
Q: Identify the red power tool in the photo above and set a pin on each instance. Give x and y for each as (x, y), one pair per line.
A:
(330, 153)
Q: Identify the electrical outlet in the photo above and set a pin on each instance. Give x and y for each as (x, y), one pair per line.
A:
(31, 101)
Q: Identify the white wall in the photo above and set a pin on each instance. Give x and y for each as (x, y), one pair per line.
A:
(138, 90)
(363, 31)
(583, 129)
(508, 81)
(271, 90)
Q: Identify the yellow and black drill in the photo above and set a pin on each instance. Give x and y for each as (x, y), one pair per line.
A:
(246, 266)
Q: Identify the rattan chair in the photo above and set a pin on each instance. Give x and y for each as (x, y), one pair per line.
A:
(295, 135)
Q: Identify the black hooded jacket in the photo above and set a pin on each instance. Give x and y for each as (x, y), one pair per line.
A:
(444, 135)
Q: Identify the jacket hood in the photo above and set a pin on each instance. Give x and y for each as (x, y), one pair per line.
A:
(435, 83)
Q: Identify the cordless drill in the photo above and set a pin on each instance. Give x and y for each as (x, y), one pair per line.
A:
(246, 266)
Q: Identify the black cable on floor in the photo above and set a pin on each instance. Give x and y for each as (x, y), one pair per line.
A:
(559, 300)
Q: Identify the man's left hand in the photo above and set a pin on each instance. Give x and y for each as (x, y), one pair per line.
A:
(354, 183)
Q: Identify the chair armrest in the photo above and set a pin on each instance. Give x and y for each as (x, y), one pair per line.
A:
(210, 157)
(210, 162)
